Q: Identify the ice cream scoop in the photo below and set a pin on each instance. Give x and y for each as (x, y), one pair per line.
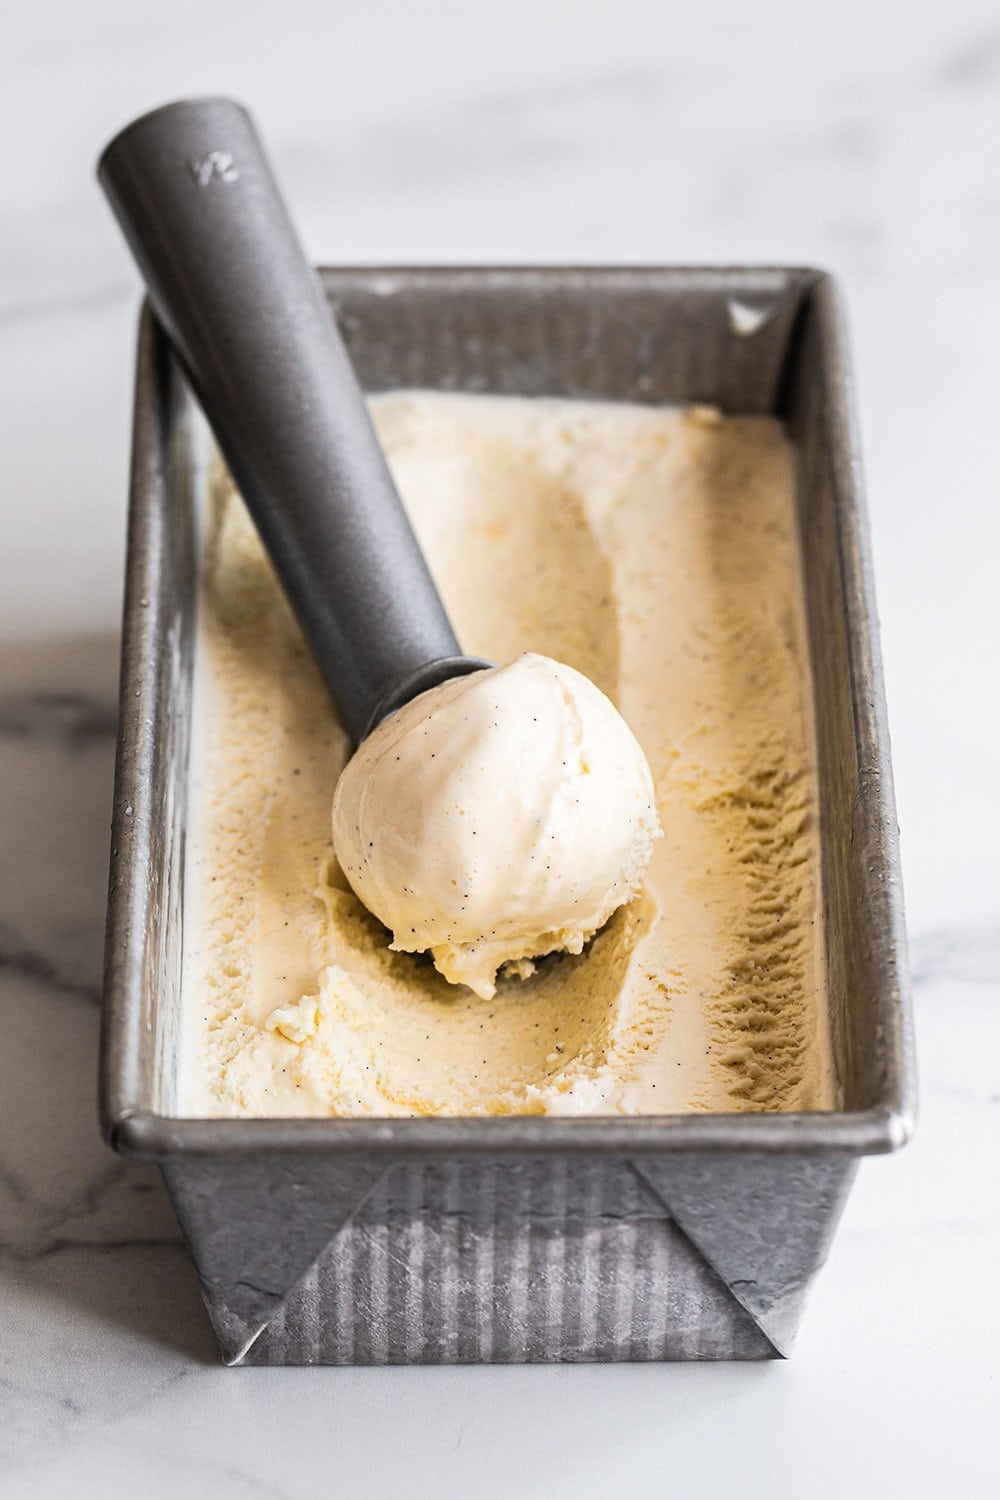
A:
(199, 205)
(554, 787)
(497, 817)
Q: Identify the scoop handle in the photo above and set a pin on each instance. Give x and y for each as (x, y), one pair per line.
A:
(201, 210)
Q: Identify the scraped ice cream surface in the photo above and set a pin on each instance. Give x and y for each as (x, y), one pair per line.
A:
(636, 572)
(499, 817)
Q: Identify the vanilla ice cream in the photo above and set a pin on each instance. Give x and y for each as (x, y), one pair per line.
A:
(655, 552)
(497, 817)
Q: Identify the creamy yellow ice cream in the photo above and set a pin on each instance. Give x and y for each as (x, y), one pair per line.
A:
(497, 817)
(654, 551)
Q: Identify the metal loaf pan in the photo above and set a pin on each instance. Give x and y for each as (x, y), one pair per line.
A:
(515, 1239)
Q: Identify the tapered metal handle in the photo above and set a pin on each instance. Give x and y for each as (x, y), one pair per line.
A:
(227, 277)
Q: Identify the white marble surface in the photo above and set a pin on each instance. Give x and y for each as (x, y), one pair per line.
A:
(862, 136)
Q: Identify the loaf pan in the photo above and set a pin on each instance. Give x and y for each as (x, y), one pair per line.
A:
(367, 1241)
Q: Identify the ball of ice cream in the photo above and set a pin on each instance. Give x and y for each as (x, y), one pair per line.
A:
(497, 817)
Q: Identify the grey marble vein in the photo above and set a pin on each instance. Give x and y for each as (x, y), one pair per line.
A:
(75, 720)
(968, 954)
(45, 305)
(975, 64)
(26, 962)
